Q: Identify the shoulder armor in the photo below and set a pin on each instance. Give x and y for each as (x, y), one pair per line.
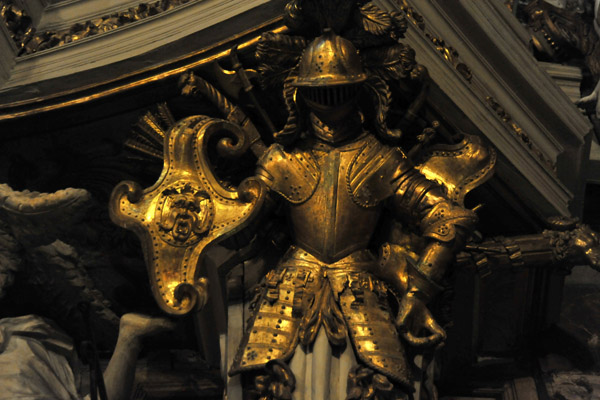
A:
(373, 171)
(460, 167)
(294, 175)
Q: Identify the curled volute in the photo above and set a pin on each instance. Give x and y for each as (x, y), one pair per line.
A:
(186, 210)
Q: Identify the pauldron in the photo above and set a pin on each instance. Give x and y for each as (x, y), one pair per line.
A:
(371, 177)
(294, 175)
(373, 171)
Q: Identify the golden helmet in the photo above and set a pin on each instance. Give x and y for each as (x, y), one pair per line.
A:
(330, 60)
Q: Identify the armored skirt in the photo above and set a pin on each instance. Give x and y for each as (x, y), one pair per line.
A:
(318, 329)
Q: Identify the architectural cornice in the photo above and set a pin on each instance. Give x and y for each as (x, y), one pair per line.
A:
(49, 37)
(209, 42)
(129, 40)
(507, 96)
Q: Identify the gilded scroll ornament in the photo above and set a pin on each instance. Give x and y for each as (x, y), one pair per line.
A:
(520, 133)
(18, 23)
(185, 211)
(29, 41)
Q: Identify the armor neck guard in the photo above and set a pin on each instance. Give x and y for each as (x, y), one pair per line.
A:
(338, 133)
(317, 145)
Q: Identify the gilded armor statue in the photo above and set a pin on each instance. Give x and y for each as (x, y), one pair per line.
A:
(336, 179)
(335, 316)
(335, 182)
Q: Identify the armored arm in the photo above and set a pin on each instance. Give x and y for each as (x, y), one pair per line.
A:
(442, 223)
(380, 172)
(445, 226)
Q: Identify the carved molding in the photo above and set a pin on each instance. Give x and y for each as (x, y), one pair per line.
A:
(516, 130)
(534, 128)
(62, 14)
(131, 40)
(448, 52)
(8, 49)
(17, 22)
(48, 39)
(544, 110)
(452, 56)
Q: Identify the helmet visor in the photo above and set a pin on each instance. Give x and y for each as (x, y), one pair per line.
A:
(330, 96)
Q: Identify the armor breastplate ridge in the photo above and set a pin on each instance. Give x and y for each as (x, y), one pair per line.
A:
(334, 192)
(330, 225)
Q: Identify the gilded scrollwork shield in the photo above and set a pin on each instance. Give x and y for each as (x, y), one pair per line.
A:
(186, 210)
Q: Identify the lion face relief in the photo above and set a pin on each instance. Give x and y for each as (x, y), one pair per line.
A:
(184, 214)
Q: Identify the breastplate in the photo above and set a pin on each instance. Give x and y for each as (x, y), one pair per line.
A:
(334, 194)
(330, 224)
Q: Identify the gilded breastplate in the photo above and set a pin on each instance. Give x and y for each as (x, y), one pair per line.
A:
(330, 225)
(334, 193)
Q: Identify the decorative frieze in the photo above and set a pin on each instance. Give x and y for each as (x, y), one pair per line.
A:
(29, 41)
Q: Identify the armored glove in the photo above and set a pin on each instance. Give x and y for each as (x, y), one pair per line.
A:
(413, 315)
